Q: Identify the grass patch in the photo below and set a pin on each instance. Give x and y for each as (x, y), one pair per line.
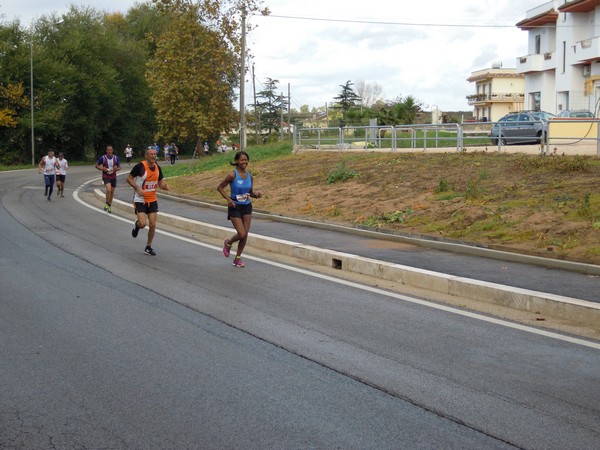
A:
(219, 160)
(448, 196)
(341, 173)
(442, 186)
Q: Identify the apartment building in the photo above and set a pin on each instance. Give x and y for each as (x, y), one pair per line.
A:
(562, 67)
(498, 92)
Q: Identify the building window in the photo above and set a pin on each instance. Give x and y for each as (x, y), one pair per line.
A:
(538, 44)
(562, 100)
(535, 101)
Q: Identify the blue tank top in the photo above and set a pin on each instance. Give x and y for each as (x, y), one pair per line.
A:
(240, 188)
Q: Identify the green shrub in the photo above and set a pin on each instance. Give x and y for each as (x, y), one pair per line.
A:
(442, 186)
(341, 173)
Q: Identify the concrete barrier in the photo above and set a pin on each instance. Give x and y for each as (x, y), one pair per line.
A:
(572, 309)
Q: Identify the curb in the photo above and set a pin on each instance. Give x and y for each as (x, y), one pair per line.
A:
(572, 309)
(420, 241)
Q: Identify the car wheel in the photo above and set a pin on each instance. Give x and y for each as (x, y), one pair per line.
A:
(541, 137)
(494, 141)
(503, 141)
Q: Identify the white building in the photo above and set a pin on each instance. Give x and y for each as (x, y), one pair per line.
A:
(562, 69)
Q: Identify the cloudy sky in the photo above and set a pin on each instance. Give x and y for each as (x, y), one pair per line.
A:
(426, 49)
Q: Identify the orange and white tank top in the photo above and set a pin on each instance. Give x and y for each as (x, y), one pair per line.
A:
(148, 182)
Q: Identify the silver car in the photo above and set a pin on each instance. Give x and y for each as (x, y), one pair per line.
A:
(520, 128)
(578, 113)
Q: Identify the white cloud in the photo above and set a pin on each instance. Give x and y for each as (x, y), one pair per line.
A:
(406, 55)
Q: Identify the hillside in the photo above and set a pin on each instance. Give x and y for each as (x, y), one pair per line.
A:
(542, 205)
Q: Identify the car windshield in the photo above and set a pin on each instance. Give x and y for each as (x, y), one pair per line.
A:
(541, 115)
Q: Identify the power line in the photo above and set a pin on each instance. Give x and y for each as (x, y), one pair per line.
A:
(382, 22)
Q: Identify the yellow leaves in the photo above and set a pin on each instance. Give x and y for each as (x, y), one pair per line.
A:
(7, 119)
(12, 100)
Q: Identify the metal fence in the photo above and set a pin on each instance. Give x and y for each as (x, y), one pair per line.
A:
(573, 135)
(390, 137)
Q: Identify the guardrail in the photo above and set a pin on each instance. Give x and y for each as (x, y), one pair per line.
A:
(575, 136)
(393, 137)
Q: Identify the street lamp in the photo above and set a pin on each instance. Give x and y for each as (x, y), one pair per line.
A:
(31, 99)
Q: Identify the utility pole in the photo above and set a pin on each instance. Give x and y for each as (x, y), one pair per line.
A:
(289, 115)
(281, 97)
(242, 85)
(256, 113)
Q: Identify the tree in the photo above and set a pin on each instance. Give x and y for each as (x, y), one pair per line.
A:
(14, 71)
(346, 100)
(137, 122)
(89, 89)
(369, 93)
(406, 109)
(89, 76)
(196, 66)
(12, 101)
(269, 105)
(398, 111)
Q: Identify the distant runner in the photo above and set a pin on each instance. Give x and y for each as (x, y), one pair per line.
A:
(109, 164)
(47, 166)
(61, 174)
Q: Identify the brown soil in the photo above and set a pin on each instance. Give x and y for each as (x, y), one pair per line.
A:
(542, 205)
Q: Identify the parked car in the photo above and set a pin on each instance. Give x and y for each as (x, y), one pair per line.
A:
(521, 128)
(579, 113)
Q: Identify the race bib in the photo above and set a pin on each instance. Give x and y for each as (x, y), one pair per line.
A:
(150, 186)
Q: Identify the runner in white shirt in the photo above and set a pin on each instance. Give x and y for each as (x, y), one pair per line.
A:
(128, 154)
(47, 166)
(61, 174)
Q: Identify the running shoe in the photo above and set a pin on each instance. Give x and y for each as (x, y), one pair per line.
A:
(149, 251)
(136, 230)
(106, 207)
(237, 262)
(226, 248)
(109, 210)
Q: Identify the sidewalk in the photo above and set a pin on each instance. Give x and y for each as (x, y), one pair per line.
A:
(504, 278)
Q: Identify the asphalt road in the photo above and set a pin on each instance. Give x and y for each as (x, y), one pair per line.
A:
(519, 272)
(105, 347)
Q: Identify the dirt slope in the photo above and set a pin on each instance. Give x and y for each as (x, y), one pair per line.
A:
(543, 205)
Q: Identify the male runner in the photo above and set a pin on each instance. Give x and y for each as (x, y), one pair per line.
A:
(109, 164)
(144, 178)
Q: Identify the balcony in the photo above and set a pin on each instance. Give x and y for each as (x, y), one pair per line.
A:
(536, 63)
(543, 15)
(587, 50)
(500, 97)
